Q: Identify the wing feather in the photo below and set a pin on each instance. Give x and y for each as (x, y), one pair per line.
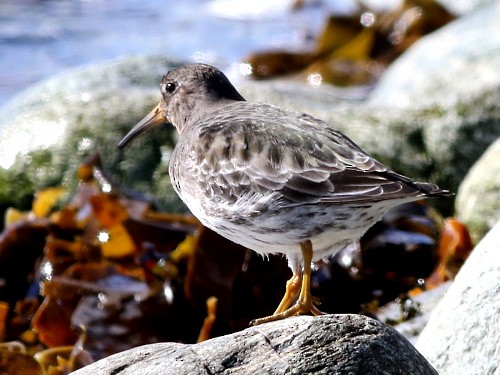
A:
(251, 151)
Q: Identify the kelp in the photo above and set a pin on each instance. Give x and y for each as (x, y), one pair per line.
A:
(354, 50)
(98, 270)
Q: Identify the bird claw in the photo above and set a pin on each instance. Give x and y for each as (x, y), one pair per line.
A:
(301, 307)
(305, 303)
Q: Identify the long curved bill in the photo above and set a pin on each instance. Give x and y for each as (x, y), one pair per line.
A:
(153, 118)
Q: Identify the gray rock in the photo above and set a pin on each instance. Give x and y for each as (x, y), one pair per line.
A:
(420, 307)
(46, 131)
(462, 336)
(81, 85)
(478, 199)
(54, 125)
(330, 344)
(435, 142)
(454, 62)
(458, 7)
(461, 7)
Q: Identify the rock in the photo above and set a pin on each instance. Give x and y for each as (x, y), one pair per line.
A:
(410, 316)
(478, 199)
(329, 344)
(435, 142)
(454, 62)
(457, 138)
(458, 7)
(464, 6)
(54, 125)
(51, 127)
(463, 331)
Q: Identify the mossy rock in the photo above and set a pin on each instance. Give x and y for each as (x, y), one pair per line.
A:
(478, 199)
(56, 124)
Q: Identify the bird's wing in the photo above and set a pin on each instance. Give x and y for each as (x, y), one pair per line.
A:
(307, 161)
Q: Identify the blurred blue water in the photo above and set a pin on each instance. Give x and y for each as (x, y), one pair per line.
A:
(41, 38)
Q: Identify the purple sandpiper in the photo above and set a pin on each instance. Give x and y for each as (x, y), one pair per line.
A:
(272, 179)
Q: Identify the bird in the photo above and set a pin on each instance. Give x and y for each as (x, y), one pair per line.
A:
(272, 179)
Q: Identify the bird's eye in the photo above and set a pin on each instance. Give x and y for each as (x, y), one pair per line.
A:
(170, 87)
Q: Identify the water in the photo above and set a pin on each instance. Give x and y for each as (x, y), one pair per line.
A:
(42, 38)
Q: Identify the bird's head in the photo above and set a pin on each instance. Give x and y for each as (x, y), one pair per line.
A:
(187, 92)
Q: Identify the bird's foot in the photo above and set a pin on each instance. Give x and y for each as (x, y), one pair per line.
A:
(304, 305)
(297, 285)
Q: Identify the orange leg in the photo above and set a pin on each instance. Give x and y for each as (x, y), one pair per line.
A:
(293, 287)
(305, 302)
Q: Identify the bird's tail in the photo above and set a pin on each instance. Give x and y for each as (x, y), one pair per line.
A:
(432, 190)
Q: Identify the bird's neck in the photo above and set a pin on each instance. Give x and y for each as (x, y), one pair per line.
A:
(193, 113)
